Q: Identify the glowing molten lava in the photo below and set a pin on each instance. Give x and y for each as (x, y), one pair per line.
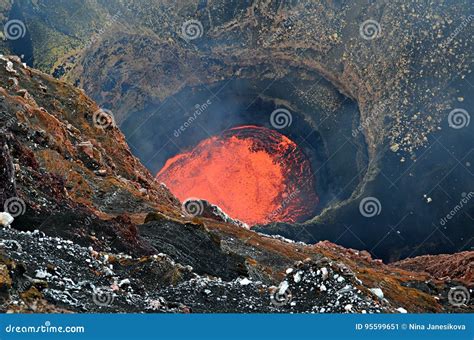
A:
(254, 174)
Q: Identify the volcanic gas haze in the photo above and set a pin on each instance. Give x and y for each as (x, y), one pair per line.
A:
(254, 174)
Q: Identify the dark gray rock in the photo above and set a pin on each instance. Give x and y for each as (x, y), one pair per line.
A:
(193, 245)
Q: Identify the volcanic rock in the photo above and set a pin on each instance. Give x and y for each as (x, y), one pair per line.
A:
(459, 266)
(5, 219)
(191, 244)
(209, 210)
(7, 172)
(86, 238)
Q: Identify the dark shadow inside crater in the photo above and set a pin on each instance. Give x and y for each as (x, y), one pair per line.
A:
(323, 130)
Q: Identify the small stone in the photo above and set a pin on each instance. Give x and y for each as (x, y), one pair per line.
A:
(9, 67)
(283, 287)
(324, 273)
(244, 282)
(377, 292)
(102, 172)
(297, 276)
(124, 282)
(12, 81)
(42, 274)
(87, 148)
(6, 219)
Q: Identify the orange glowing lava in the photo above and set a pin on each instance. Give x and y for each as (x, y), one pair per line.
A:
(254, 174)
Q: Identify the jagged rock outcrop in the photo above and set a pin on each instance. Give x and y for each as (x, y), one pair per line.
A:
(192, 244)
(7, 173)
(458, 267)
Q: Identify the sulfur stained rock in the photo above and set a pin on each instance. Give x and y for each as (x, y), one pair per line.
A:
(5, 283)
(5, 280)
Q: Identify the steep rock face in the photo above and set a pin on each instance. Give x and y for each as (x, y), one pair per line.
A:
(47, 178)
(59, 156)
(51, 126)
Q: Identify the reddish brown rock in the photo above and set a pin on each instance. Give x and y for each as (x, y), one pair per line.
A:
(459, 266)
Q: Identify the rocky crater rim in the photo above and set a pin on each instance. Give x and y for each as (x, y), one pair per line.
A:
(248, 97)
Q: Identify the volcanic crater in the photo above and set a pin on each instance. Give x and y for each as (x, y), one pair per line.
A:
(367, 120)
(365, 109)
(260, 158)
